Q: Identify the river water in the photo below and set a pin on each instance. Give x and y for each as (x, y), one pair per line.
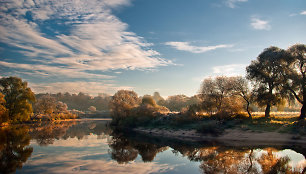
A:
(93, 147)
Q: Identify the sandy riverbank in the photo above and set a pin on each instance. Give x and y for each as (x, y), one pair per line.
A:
(230, 136)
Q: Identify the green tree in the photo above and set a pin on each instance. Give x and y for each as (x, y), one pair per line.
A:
(3, 110)
(265, 72)
(14, 148)
(19, 98)
(294, 74)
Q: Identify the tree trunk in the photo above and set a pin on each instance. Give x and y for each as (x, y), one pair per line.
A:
(247, 108)
(267, 111)
(251, 163)
(303, 111)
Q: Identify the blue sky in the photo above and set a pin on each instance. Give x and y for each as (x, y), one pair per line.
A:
(169, 46)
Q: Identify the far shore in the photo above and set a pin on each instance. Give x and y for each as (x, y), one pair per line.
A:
(62, 120)
(234, 137)
(86, 119)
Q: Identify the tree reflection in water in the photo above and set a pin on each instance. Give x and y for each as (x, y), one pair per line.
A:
(47, 133)
(14, 149)
(123, 150)
(214, 159)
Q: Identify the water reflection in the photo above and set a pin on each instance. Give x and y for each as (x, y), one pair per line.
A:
(92, 147)
(47, 133)
(123, 150)
(213, 158)
(14, 149)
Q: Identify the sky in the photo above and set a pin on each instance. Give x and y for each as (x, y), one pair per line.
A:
(168, 46)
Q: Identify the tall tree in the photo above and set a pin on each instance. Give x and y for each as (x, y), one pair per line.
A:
(265, 72)
(19, 98)
(241, 88)
(3, 111)
(294, 74)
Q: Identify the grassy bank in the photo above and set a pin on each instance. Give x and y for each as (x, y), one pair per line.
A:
(217, 124)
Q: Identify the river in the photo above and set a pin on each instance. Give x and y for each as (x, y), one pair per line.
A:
(91, 146)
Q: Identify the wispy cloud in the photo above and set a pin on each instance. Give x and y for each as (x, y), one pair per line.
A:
(185, 46)
(303, 13)
(229, 70)
(86, 37)
(233, 3)
(78, 159)
(95, 33)
(259, 24)
(58, 71)
(224, 70)
(92, 88)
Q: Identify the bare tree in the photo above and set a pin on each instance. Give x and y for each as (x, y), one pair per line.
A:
(241, 88)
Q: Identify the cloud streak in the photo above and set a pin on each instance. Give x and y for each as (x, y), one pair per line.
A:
(92, 88)
(233, 3)
(224, 70)
(303, 13)
(259, 24)
(185, 46)
(82, 37)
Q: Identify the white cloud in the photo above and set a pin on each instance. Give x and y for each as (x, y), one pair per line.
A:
(81, 161)
(92, 88)
(259, 24)
(303, 13)
(224, 70)
(185, 46)
(232, 3)
(96, 40)
(229, 70)
(46, 70)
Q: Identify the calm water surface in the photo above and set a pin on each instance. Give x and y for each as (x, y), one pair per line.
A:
(92, 147)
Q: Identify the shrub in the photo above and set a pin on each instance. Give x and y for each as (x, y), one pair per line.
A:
(210, 127)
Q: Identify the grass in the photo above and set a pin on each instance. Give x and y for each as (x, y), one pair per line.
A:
(283, 123)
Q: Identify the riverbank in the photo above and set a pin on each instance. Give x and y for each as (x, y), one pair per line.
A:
(229, 136)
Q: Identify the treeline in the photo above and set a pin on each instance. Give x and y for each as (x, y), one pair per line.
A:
(277, 77)
(17, 103)
(82, 101)
(176, 103)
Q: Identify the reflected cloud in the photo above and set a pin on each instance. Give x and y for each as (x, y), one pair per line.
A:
(91, 147)
(82, 158)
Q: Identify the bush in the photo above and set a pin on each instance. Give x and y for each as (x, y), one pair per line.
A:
(210, 127)
(183, 119)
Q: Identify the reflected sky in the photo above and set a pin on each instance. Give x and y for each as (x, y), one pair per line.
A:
(91, 147)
